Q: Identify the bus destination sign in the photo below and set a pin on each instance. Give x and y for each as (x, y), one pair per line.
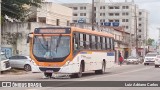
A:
(52, 31)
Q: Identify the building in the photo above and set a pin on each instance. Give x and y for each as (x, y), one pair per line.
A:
(51, 13)
(142, 27)
(82, 12)
(123, 14)
(14, 34)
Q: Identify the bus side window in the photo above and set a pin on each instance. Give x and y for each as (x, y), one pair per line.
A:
(103, 44)
(84, 41)
(96, 42)
(87, 42)
(113, 43)
(90, 41)
(106, 43)
(110, 43)
(93, 42)
(76, 44)
(81, 46)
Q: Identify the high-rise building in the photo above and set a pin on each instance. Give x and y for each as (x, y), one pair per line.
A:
(142, 26)
(81, 12)
(126, 14)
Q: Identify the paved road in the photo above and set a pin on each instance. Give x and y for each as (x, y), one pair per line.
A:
(120, 73)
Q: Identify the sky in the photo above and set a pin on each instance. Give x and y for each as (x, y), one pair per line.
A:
(152, 6)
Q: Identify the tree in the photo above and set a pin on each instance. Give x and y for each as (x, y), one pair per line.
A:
(150, 41)
(16, 9)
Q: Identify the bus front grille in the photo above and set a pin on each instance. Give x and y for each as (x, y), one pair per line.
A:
(44, 69)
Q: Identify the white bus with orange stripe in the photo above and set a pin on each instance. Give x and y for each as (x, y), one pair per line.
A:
(71, 50)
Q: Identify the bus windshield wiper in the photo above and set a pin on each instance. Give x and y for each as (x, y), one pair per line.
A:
(46, 43)
(58, 42)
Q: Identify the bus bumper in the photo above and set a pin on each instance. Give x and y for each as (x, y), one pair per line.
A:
(69, 69)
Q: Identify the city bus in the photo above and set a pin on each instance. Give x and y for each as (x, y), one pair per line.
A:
(71, 50)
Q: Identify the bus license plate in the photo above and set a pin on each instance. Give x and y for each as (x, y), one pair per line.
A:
(49, 71)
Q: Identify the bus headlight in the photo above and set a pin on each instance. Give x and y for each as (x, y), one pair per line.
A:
(67, 63)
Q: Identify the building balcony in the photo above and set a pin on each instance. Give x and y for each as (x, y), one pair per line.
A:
(121, 39)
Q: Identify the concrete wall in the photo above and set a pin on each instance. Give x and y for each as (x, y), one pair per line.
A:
(9, 29)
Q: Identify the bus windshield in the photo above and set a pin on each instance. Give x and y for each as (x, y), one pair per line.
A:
(51, 47)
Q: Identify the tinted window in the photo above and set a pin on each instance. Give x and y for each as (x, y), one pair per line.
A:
(14, 57)
(103, 44)
(93, 42)
(22, 57)
(151, 55)
(81, 41)
(108, 43)
(132, 57)
(87, 42)
(18, 57)
(98, 43)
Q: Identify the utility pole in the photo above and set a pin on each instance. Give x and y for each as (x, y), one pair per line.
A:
(0, 26)
(136, 30)
(93, 18)
(158, 41)
(0, 32)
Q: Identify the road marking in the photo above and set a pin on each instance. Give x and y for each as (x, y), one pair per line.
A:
(32, 89)
(115, 74)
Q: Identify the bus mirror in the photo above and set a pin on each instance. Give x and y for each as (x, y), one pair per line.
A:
(29, 37)
(75, 46)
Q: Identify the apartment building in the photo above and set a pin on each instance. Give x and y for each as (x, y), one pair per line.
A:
(142, 26)
(82, 12)
(125, 13)
(122, 12)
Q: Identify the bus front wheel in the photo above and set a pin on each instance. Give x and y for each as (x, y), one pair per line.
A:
(79, 74)
(48, 75)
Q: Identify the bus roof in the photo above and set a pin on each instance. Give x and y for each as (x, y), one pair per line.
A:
(76, 29)
(91, 32)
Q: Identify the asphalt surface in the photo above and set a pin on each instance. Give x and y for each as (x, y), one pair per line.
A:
(118, 73)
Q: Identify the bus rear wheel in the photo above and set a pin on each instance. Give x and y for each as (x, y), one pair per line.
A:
(102, 70)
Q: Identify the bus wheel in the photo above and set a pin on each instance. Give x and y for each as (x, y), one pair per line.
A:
(102, 70)
(48, 75)
(79, 74)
